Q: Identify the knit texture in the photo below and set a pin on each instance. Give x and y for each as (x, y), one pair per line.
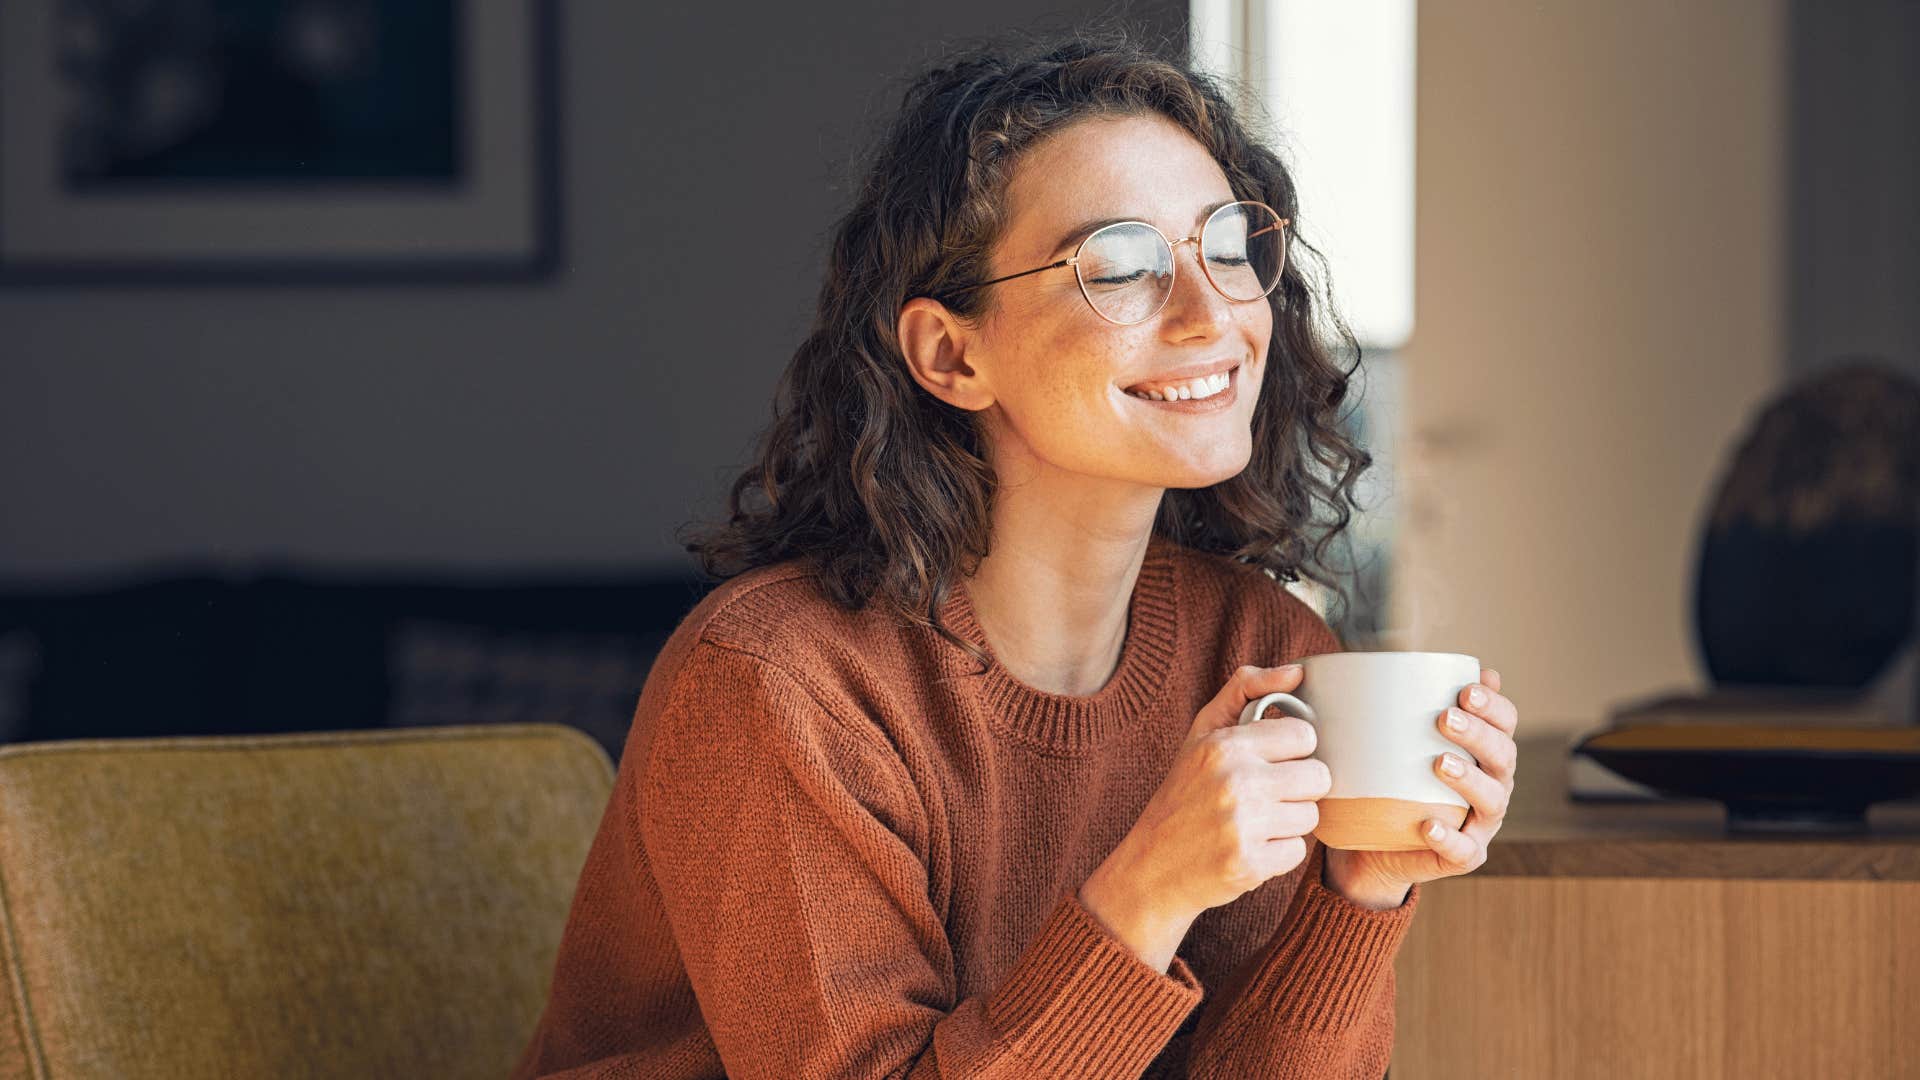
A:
(836, 848)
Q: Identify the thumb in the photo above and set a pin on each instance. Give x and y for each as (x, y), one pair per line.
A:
(1249, 683)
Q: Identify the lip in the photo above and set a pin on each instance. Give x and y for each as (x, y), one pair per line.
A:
(1222, 400)
(1183, 374)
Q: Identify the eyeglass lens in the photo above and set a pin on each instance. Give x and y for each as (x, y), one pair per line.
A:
(1126, 270)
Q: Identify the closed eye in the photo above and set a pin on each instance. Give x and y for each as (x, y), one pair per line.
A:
(1124, 279)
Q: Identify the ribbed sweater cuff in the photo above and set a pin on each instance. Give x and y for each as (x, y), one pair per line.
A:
(1081, 1003)
(1329, 955)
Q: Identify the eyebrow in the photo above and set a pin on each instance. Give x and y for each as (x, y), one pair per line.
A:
(1080, 232)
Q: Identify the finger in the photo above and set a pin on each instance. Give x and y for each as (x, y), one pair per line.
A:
(1493, 707)
(1493, 749)
(1304, 779)
(1287, 852)
(1286, 819)
(1280, 739)
(1479, 830)
(1487, 796)
(1247, 683)
(1459, 852)
(1491, 678)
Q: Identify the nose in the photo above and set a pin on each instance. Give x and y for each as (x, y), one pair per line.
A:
(1195, 307)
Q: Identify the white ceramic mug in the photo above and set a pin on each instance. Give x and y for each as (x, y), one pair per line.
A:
(1375, 716)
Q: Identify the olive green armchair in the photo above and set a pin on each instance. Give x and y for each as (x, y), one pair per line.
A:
(383, 903)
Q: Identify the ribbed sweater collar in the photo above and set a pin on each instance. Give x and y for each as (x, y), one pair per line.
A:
(1064, 723)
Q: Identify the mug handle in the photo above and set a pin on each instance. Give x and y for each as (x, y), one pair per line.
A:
(1292, 705)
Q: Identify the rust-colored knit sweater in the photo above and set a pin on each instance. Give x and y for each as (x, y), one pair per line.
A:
(835, 851)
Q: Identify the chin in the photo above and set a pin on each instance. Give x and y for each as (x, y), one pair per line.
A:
(1199, 476)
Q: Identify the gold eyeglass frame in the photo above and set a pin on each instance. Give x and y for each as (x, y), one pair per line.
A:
(1173, 260)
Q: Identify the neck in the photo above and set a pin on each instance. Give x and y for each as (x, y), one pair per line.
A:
(1053, 592)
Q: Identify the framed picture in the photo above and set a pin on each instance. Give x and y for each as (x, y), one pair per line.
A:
(277, 140)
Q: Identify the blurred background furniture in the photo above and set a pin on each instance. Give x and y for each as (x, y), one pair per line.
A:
(197, 651)
(346, 904)
(1642, 940)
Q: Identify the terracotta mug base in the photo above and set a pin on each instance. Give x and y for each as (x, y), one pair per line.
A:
(1381, 824)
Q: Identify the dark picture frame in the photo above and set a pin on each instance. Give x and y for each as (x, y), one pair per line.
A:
(381, 143)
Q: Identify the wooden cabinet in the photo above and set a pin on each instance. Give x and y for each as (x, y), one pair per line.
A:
(1640, 940)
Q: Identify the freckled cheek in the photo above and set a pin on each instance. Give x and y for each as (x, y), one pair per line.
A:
(1260, 316)
(1050, 396)
(1081, 397)
(1075, 378)
(1255, 369)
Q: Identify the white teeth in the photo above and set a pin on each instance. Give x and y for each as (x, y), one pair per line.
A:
(1207, 386)
(1203, 387)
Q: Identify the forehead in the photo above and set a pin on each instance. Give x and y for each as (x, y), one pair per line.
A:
(1144, 167)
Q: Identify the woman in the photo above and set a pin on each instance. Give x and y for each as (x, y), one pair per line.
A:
(944, 779)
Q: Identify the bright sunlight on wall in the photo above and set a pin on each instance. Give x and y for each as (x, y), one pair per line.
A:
(1330, 87)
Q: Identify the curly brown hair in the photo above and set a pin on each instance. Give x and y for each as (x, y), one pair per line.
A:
(886, 487)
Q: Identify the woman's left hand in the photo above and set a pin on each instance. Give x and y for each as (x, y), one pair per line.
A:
(1381, 878)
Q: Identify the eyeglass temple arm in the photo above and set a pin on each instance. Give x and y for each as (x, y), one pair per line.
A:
(1010, 277)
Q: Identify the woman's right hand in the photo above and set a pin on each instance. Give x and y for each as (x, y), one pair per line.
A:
(1234, 810)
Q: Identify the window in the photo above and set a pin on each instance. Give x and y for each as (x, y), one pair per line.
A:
(1330, 88)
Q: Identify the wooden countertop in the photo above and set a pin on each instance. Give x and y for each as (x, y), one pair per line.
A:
(1546, 834)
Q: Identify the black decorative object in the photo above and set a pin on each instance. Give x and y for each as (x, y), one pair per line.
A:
(1807, 572)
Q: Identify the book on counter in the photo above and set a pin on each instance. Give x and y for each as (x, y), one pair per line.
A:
(1721, 708)
(1748, 705)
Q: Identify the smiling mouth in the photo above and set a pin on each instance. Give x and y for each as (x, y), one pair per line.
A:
(1204, 389)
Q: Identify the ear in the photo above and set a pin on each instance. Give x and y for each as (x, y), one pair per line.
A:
(936, 348)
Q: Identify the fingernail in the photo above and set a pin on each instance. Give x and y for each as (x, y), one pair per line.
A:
(1287, 669)
(1477, 697)
(1452, 766)
(1456, 721)
(1433, 830)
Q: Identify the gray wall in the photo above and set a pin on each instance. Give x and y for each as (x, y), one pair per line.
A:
(570, 424)
(1854, 269)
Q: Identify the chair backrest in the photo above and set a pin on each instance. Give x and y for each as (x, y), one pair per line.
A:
(383, 903)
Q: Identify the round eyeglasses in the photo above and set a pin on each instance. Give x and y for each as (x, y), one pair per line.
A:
(1126, 268)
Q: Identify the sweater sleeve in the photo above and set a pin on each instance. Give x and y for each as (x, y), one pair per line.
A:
(1316, 1001)
(790, 851)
